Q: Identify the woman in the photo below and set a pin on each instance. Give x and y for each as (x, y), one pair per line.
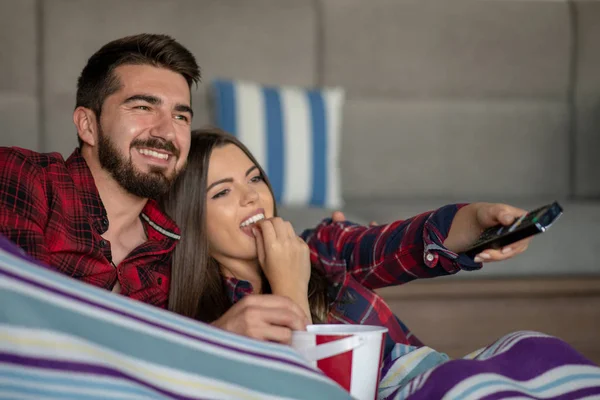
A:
(233, 245)
(243, 269)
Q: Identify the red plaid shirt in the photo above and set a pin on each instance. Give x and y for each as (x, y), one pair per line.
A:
(52, 209)
(357, 260)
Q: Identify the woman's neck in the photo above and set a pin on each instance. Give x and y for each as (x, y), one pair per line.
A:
(243, 270)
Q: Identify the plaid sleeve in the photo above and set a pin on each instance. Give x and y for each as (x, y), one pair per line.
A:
(23, 206)
(390, 254)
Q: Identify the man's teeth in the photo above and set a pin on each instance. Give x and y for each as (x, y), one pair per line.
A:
(252, 220)
(153, 153)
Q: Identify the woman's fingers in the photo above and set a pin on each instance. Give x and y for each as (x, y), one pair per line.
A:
(268, 230)
(338, 216)
(494, 214)
(260, 244)
(281, 229)
(290, 230)
(504, 253)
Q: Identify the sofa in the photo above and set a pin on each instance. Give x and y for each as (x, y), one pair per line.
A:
(445, 101)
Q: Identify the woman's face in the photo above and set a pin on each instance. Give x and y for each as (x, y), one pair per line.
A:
(237, 196)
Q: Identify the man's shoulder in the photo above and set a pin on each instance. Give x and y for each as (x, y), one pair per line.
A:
(19, 156)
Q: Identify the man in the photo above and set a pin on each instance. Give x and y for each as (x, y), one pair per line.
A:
(94, 216)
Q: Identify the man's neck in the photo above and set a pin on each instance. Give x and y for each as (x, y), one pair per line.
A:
(122, 208)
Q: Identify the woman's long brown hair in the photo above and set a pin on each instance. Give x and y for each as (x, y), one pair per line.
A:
(197, 287)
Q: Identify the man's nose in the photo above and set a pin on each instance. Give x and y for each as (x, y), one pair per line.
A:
(164, 127)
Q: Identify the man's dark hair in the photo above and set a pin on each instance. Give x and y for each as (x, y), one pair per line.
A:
(98, 81)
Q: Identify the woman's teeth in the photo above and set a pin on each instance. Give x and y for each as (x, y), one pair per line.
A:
(155, 154)
(252, 220)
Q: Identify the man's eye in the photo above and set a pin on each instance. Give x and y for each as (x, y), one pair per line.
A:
(221, 194)
(182, 118)
(143, 108)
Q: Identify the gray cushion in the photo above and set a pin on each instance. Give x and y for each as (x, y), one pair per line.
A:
(415, 149)
(19, 110)
(19, 122)
(446, 48)
(588, 61)
(587, 181)
(587, 141)
(18, 47)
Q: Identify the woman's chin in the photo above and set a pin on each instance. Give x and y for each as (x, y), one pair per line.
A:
(248, 253)
(242, 247)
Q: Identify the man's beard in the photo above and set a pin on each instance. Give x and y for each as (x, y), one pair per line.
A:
(147, 185)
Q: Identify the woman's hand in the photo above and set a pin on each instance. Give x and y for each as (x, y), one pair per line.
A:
(264, 317)
(285, 259)
(471, 220)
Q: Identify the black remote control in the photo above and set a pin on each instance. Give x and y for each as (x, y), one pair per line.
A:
(532, 223)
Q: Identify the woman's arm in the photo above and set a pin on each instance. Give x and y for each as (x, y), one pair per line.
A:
(425, 246)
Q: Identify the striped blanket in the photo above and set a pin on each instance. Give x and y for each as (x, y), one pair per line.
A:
(521, 365)
(62, 339)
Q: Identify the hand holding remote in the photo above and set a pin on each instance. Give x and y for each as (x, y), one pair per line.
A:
(472, 220)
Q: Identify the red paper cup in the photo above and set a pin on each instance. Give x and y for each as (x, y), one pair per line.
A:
(351, 355)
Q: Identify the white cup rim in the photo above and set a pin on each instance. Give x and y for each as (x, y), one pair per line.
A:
(342, 329)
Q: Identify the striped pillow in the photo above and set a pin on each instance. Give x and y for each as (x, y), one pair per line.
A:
(293, 132)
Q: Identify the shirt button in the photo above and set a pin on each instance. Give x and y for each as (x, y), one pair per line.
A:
(159, 280)
(429, 257)
(104, 222)
(103, 243)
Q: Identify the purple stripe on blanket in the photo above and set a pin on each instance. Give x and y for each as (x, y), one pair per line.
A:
(13, 249)
(4, 246)
(387, 364)
(71, 367)
(575, 394)
(528, 358)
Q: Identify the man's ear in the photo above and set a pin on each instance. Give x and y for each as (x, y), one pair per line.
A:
(86, 124)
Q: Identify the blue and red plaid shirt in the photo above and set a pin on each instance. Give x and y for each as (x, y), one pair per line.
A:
(357, 260)
(53, 211)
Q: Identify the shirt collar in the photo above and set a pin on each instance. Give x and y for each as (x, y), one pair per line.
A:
(236, 289)
(162, 226)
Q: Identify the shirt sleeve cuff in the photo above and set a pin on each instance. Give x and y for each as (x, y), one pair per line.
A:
(435, 232)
